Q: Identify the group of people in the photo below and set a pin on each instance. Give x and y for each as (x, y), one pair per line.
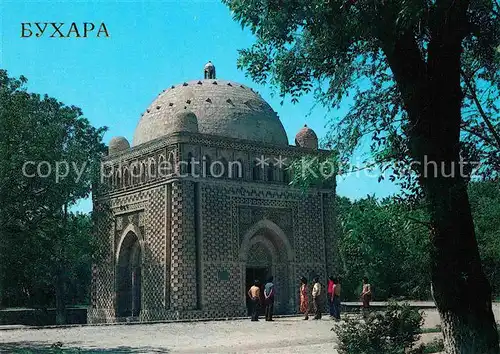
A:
(333, 297)
(316, 298)
(255, 299)
(334, 289)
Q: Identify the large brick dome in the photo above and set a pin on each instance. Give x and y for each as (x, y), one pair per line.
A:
(222, 108)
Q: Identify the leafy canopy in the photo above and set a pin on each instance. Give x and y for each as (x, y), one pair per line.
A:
(40, 238)
(338, 48)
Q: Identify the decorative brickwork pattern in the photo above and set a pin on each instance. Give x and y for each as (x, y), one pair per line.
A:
(102, 286)
(259, 256)
(155, 258)
(198, 236)
(222, 288)
(217, 242)
(331, 250)
(183, 256)
(310, 245)
(145, 211)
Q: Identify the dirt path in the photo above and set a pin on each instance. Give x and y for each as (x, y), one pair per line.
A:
(284, 335)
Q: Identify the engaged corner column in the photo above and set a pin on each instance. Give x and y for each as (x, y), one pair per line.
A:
(183, 284)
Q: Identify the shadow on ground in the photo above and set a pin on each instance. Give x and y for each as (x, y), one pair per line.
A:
(59, 348)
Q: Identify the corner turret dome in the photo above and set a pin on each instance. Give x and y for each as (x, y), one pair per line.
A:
(306, 138)
(118, 144)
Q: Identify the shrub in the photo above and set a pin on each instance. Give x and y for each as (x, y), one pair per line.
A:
(436, 346)
(392, 331)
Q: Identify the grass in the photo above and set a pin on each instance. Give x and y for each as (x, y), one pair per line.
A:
(435, 346)
(436, 329)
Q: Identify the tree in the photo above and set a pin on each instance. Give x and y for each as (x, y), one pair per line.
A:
(381, 240)
(39, 135)
(403, 61)
(485, 204)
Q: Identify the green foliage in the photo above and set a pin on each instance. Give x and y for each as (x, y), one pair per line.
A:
(43, 246)
(436, 346)
(485, 204)
(390, 332)
(436, 329)
(387, 242)
(336, 49)
(314, 171)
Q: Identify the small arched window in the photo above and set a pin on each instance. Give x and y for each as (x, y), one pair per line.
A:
(171, 164)
(189, 167)
(256, 171)
(152, 168)
(235, 169)
(135, 173)
(285, 173)
(206, 166)
(118, 178)
(220, 168)
(270, 172)
(143, 172)
(162, 166)
(126, 177)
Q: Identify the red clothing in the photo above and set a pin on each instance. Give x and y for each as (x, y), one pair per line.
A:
(304, 300)
(330, 287)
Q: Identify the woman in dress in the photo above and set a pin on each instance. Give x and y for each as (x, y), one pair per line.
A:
(304, 298)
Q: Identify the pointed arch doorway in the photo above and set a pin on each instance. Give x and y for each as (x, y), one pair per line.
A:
(129, 276)
(265, 251)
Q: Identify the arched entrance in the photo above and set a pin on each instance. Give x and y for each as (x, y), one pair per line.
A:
(265, 251)
(128, 276)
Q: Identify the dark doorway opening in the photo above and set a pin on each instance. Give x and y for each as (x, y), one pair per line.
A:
(261, 274)
(129, 278)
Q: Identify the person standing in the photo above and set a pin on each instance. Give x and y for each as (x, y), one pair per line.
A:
(330, 295)
(366, 296)
(269, 298)
(336, 298)
(304, 298)
(316, 293)
(254, 294)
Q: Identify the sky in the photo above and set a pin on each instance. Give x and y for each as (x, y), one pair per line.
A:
(152, 45)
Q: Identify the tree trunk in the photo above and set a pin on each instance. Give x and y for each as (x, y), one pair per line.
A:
(432, 96)
(60, 298)
(460, 288)
(60, 271)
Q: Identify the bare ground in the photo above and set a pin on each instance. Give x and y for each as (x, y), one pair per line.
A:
(284, 335)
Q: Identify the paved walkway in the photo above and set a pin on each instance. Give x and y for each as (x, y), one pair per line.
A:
(284, 335)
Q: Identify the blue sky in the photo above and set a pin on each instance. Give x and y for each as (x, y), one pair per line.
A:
(152, 45)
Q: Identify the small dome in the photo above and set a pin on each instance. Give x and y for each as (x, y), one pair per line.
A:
(185, 121)
(306, 138)
(117, 144)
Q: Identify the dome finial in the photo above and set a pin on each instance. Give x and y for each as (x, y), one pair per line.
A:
(209, 70)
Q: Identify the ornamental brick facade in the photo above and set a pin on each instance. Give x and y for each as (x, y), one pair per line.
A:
(177, 243)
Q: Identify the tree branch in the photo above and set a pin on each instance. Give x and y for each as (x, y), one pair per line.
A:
(425, 223)
(480, 109)
(480, 136)
(498, 5)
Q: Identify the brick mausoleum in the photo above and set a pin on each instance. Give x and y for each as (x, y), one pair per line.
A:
(186, 240)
